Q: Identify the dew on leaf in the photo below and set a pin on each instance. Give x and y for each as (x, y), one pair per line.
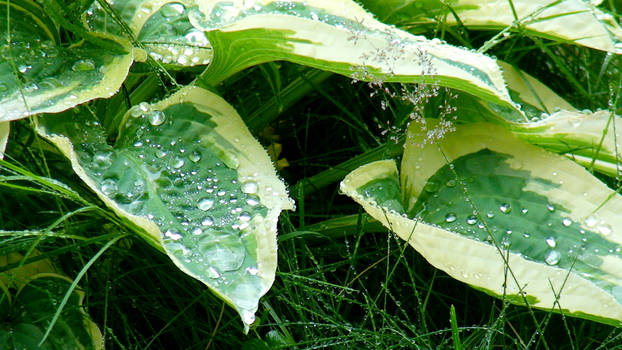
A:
(156, 117)
(249, 187)
(109, 187)
(252, 200)
(450, 217)
(83, 65)
(207, 221)
(224, 253)
(604, 229)
(172, 235)
(566, 222)
(552, 257)
(471, 220)
(206, 204)
(550, 241)
(172, 10)
(177, 162)
(505, 208)
(194, 156)
(245, 216)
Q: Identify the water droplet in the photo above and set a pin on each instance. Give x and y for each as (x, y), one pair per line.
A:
(451, 183)
(177, 162)
(207, 221)
(550, 207)
(109, 187)
(505, 208)
(83, 65)
(245, 216)
(550, 241)
(605, 229)
(490, 215)
(225, 253)
(252, 270)
(212, 273)
(526, 235)
(471, 220)
(206, 204)
(450, 217)
(197, 231)
(566, 222)
(194, 156)
(249, 187)
(591, 221)
(102, 159)
(172, 235)
(553, 257)
(156, 118)
(524, 211)
(252, 200)
(248, 316)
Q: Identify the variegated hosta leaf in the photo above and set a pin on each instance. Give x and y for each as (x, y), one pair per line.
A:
(338, 36)
(591, 139)
(25, 316)
(481, 196)
(574, 21)
(162, 26)
(4, 136)
(188, 172)
(38, 75)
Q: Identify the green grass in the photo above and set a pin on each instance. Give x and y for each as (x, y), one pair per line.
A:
(343, 282)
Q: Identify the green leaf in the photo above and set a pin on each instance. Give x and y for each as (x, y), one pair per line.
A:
(504, 216)
(39, 75)
(188, 172)
(162, 27)
(571, 21)
(342, 38)
(5, 127)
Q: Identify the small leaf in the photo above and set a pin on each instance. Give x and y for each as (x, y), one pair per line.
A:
(481, 195)
(188, 172)
(574, 21)
(38, 75)
(342, 38)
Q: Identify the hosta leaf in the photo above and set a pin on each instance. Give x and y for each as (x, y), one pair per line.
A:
(4, 137)
(25, 316)
(338, 36)
(188, 172)
(161, 26)
(38, 75)
(573, 21)
(591, 139)
(482, 200)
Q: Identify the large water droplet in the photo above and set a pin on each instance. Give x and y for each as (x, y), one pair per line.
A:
(552, 257)
(177, 162)
(252, 200)
(206, 204)
(550, 241)
(223, 253)
(207, 221)
(566, 222)
(450, 217)
(505, 208)
(83, 65)
(156, 118)
(245, 216)
(248, 316)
